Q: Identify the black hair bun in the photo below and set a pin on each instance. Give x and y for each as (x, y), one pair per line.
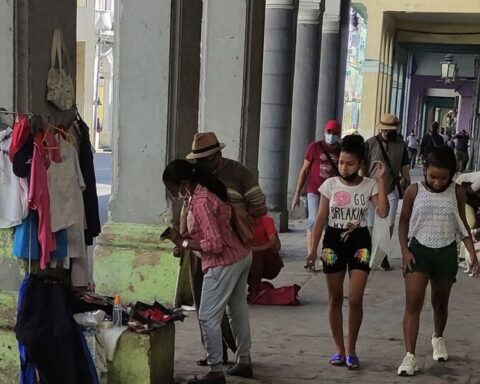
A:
(355, 145)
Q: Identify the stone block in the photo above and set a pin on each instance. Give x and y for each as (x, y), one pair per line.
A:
(144, 359)
(132, 261)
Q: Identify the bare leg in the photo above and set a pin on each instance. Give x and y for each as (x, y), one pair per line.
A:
(440, 296)
(415, 286)
(358, 282)
(335, 302)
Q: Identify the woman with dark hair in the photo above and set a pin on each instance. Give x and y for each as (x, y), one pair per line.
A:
(347, 243)
(431, 223)
(225, 262)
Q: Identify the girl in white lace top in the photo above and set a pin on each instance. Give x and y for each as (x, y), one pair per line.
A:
(431, 223)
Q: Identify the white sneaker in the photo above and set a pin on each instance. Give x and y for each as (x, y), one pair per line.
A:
(409, 365)
(439, 349)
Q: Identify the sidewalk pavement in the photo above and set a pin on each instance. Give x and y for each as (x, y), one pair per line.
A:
(292, 345)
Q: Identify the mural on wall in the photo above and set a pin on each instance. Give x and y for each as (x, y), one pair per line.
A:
(354, 77)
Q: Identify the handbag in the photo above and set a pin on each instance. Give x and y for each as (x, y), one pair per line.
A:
(61, 92)
(396, 179)
(380, 241)
(332, 163)
(242, 224)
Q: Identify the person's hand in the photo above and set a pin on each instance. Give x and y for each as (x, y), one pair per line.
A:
(177, 252)
(380, 170)
(408, 261)
(310, 262)
(175, 237)
(295, 201)
(474, 267)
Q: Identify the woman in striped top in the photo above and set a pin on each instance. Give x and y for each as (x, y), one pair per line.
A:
(225, 262)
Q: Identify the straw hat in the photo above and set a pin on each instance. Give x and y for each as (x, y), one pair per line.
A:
(388, 121)
(204, 144)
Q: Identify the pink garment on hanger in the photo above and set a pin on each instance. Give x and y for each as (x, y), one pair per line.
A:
(39, 199)
(21, 131)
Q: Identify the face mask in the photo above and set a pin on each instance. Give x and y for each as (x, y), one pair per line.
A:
(331, 139)
(350, 177)
(430, 187)
(208, 165)
(184, 196)
(391, 135)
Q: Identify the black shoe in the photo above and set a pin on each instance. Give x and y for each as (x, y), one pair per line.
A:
(241, 369)
(385, 266)
(208, 379)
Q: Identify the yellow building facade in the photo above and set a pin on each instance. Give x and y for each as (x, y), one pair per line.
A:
(393, 22)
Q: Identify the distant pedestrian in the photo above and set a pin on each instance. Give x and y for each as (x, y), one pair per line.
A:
(461, 150)
(432, 219)
(347, 242)
(412, 146)
(388, 148)
(321, 162)
(431, 140)
(444, 135)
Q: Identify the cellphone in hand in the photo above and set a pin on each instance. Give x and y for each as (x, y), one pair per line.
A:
(166, 233)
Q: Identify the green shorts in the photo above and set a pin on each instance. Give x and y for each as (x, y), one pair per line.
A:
(439, 264)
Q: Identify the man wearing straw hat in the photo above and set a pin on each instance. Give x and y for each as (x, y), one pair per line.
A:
(243, 190)
(390, 149)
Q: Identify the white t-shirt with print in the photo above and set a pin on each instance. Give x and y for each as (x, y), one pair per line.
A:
(348, 204)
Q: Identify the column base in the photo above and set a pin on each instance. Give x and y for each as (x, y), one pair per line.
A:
(280, 219)
(144, 359)
(132, 261)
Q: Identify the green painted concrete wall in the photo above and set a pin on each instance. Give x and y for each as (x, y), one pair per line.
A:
(144, 359)
(131, 260)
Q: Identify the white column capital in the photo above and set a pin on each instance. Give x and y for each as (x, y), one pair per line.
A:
(279, 4)
(309, 11)
(331, 23)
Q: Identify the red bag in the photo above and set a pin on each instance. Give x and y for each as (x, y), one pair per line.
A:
(269, 295)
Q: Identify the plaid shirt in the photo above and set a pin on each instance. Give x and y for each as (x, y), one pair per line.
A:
(208, 222)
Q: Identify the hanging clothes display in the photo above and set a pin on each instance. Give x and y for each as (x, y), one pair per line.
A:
(46, 328)
(25, 240)
(13, 190)
(90, 197)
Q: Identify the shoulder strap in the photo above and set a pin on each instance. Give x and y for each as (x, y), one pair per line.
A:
(332, 163)
(395, 178)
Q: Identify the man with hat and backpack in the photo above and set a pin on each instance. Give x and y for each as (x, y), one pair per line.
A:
(244, 194)
(390, 149)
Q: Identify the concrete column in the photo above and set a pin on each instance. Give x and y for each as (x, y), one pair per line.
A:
(276, 107)
(35, 22)
(329, 63)
(185, 76)
(140, 111)
(305, 88)
(230, 75)
(128, 258)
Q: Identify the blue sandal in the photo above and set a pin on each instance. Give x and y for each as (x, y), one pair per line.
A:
(337, 360)
(353, 362)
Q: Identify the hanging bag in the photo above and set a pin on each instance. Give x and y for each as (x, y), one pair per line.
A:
(242, 224)
(59, 82)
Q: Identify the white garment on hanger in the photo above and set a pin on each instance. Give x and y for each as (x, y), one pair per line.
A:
(13, 190)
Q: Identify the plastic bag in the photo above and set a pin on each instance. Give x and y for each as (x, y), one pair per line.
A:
(380, 241)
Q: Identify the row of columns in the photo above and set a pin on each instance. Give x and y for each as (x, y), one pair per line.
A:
(206, 57)
(302, 88)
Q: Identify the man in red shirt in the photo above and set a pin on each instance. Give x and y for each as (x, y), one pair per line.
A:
(321, 162)
(266, 262)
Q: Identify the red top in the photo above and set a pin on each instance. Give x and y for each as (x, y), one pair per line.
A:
(39, 199)
(21, 132)
(263, 229)
(208, 222)
(320, 167)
